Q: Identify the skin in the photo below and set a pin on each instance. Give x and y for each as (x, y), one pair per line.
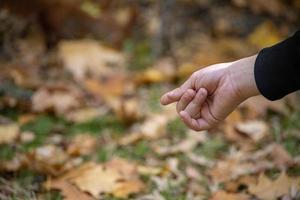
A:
(209, 95)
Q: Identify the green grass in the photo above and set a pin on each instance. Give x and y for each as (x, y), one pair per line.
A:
(44, 125)
(41, 127)
(212, 148)
(7, 152)
(154, 93)
(136, 151)
(174, 193)
(97, 125)
(140, 53)
(176, 128)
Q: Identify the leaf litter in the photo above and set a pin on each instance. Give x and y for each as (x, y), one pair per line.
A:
(83, 123)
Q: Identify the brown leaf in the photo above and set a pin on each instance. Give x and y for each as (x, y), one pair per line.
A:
(127, 110)
(222, 195)
(68, 190)
(48, 159)
(269, 190)
(110, 87)
(117, 177)
(82, 144)
(281, 157)
(97, 180)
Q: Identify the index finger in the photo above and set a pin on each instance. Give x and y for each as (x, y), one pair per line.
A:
(175, 95)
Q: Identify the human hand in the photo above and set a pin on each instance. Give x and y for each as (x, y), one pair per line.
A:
(212, 93)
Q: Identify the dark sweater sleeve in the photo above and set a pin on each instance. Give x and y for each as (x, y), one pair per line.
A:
(277, 68)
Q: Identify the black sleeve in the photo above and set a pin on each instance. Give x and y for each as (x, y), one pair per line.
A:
(277, 68)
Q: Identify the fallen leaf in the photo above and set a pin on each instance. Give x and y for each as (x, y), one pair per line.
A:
(97, 180)
(258, 107)
(60, 101)
(27, 136)
(89, 57)
(48, 159)
(117, 177)
(184, 146)
(269, 190)
(256, 130)
(264, 35)
(127, 110)
(82, 144)
(223, 195)
(110, 88)
(84, 114)
(124, 189)
(154, 127)
(26, 118)
(68, 190)
(8, 133)
(281, 157)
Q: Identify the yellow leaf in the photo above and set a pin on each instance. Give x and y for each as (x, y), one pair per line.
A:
(8, 133)
(264, 35)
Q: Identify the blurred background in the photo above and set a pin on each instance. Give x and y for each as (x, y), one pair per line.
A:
(80, 83)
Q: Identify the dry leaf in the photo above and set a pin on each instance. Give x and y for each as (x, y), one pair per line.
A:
(68, 190)
(110, 87)
(269, 190)
(117, 177)
(264, 35)
(89, 57)
(48, 159)
(82, 144)
(258, 107)
(84, 114)
(256, 130)
(154, 127)
(222, 195)
(127, 110)
(97, 180)
(124, 189)
(186, 145)
(27, 136)
(59, 101)
(8, 133)
(281, 157)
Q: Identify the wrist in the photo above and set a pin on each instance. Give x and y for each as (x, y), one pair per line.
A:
(242, 75)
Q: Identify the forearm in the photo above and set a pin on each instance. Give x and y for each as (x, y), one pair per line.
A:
(242, 75)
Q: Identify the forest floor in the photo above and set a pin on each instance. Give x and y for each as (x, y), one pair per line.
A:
(80, 117)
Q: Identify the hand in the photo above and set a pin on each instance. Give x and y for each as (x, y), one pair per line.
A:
(212, 93)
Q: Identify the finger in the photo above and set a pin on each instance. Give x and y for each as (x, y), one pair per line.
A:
(175, 95)
(194, 107)
(186, 98)
(197, 125)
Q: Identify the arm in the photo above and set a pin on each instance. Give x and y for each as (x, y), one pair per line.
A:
(277, 68)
